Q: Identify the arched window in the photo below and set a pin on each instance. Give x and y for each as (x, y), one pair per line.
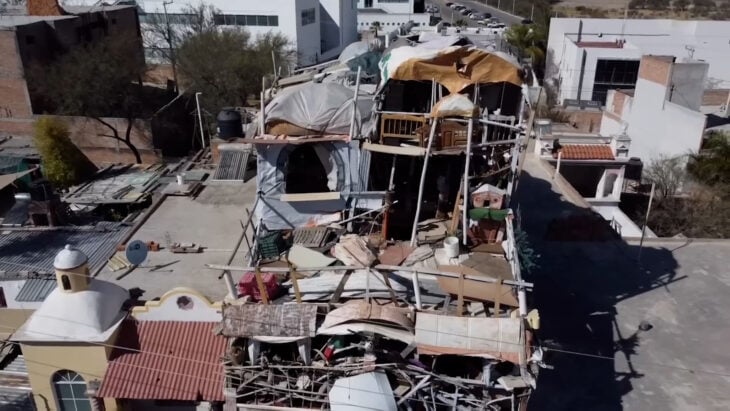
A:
(65, 282)
(70, 390)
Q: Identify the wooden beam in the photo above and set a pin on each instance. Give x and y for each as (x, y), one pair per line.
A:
(262, 287)
(340, 287)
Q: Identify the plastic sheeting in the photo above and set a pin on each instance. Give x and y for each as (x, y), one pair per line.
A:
(455, 105)
(454, 67)
(322, 107)
(342, 165)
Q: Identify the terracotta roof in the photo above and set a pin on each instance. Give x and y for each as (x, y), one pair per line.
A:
(586, 152)
(166, 360)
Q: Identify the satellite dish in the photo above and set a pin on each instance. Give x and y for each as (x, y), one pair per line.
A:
(136, 252)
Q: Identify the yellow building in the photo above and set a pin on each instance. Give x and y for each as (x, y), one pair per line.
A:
(67, 342)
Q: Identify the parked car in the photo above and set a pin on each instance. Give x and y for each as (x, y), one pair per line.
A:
(526, 21)
(449, 4)
(465, 12)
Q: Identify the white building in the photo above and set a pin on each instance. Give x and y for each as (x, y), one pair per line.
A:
(662, 114)
(390, 14)
(317, 29)
(588, 57)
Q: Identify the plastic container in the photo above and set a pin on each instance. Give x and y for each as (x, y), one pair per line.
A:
(451, 247)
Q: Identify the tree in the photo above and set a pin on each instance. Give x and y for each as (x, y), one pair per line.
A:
(461, 23)
(164, 33)
(668, 174)
(227, 65)
(712, 164)
(98, 80)
(63, 163)
(530, 41)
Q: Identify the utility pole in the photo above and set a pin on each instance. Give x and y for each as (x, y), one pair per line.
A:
(170, 44)
(646, 221)
(513, 6)
(200, 119)
(532, 12)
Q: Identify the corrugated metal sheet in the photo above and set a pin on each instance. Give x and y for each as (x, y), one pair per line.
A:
(15, 391)
(232, 165)
(36, 289)
(172, 360)
(34, 250)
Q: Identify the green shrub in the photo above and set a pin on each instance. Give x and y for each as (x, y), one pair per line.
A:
(63, 163)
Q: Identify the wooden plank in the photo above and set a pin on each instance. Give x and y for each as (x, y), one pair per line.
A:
(340, 287)
(386, 280)
(295, 283)
(262, 287)
(455, 214)
(460, 296)
(328, 196)
(411, 151)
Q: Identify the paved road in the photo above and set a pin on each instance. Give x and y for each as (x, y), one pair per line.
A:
(446, 12)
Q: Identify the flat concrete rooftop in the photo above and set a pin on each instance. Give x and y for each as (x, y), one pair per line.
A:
(212, 220)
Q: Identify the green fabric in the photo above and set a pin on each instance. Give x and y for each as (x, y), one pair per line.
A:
(484, 213)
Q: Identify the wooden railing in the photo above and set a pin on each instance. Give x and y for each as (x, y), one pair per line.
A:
(400, 125)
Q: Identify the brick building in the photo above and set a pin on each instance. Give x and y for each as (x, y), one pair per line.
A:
(42, 31)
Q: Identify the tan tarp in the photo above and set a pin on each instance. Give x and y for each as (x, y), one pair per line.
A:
(457, 68)
(7, 179)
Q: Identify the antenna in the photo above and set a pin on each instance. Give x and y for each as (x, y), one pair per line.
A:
(690, 51)
(623, 23)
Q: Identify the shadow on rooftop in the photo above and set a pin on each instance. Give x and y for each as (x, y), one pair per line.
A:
(577, 287)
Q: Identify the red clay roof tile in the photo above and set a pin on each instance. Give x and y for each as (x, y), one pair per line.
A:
(166, 360)
(587, 152)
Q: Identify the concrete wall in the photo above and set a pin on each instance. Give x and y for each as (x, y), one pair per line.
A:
(43, 360)
(659, 127)
(643, 36)
(390, 6)
(338, 26)
(11, 288)
(688, 84)
(308, 37)
(305, 40)
(389, 22)
(169, 308)
(89, 137)
(15, 102)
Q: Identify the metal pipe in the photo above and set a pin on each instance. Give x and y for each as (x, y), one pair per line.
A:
(465, 206)
(416, 289)
(200, 118)
(422, 182)
(413, 390)
(646, 222)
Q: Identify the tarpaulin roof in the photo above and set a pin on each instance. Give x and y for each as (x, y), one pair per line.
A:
(454, 67)
(323, 107)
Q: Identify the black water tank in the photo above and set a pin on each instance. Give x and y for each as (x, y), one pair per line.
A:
(633, 169)
(229, 123)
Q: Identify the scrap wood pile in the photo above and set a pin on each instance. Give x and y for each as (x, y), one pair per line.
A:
(356, 329)
(388, 357)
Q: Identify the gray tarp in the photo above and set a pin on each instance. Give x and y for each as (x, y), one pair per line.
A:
(346, 172)
(324, 107)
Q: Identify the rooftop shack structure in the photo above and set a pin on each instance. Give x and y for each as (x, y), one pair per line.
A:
(331, 308)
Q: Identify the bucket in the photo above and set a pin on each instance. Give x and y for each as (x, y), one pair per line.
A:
(451, 247)
(180, 179)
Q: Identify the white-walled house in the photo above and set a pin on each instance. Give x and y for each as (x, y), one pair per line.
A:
(661, 115)
(318, 30)
(391, 14)
(588, 57)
